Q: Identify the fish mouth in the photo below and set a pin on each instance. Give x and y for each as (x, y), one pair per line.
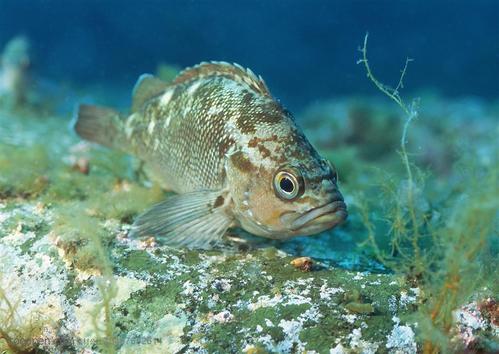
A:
(322, 217)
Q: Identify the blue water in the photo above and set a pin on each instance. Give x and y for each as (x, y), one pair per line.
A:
(305, 50)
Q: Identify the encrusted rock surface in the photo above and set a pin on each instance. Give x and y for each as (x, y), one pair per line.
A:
(71, 280)
(165, 300)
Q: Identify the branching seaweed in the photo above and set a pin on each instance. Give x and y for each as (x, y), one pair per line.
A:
(108, 291)
(6, 318)
(18, 335)
(447, 268)
(105, 334)
(82, 239)
(411, 114)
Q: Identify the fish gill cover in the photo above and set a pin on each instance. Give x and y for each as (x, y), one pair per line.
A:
(407, 115)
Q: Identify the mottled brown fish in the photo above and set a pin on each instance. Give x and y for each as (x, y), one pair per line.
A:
(235, 156)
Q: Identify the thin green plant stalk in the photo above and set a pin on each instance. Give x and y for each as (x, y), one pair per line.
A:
(466, 234)
(9, 317)
(411, 114)
(108, 290)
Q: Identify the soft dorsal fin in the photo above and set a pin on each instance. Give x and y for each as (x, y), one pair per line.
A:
(147, 87)
(234, 71)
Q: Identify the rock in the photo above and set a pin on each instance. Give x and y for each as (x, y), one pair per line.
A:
(165, 300)
(71, 280)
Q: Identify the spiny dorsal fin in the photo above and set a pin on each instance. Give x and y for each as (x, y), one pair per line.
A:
(213, 68)
(147, 87)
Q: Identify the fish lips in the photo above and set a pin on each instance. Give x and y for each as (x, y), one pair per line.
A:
(320, 218)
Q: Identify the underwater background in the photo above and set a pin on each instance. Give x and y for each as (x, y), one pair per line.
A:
(414, 268)
(305, 50)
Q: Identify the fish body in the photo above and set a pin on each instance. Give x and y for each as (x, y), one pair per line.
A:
(235, 156)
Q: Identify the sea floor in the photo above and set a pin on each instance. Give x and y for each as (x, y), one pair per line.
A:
(71, 280)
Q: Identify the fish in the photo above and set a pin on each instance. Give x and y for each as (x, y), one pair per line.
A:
(15, 64)
(232, 153)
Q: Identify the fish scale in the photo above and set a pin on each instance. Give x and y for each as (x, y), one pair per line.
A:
(191, 144)
(216, 136)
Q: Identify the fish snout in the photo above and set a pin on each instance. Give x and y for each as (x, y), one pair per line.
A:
(326, 216)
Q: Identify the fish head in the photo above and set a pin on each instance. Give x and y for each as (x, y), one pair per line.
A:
(294, 198)
(317, 206)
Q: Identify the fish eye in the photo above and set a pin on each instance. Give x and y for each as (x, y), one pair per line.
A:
(288, 185)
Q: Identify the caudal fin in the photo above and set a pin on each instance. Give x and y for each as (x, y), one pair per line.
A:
(101, 125)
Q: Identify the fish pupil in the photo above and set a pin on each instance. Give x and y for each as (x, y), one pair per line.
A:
(286, 185)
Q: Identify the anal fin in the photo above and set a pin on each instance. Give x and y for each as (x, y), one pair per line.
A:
(195, 220)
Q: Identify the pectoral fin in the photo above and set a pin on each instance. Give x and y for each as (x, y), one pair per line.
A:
(193, 220)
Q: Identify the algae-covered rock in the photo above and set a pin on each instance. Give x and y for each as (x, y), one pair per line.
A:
(166, 300)
(71, 280)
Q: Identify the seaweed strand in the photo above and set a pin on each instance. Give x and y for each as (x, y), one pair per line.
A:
(411, 114)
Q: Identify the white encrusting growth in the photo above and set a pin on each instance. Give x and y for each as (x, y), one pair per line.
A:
(401, 339)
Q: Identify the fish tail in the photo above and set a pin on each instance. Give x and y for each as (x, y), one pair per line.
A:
(101, 125)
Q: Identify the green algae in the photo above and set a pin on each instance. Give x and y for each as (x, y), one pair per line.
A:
(136, 261)
(361, 308)
(125, 201)
(74, 288)
(148, 305)
(24, 171)
(77, 234)
(70, 185)
(155, 300)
